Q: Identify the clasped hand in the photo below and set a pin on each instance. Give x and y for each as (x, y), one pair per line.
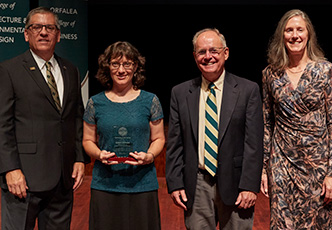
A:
(141, 158)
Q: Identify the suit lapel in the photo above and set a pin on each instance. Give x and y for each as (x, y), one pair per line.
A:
(230, 97)
(65, 78)
(193, 105)
(32, 68)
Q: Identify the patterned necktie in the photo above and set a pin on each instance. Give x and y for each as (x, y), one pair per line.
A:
(211, 132)
(52, 85)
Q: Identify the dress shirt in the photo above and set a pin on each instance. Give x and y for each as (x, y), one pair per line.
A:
(219, 83)
(55, 69)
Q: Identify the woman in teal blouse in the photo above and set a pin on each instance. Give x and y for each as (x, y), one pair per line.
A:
(123, 121)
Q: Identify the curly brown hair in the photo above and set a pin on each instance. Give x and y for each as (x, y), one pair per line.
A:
(118, 50)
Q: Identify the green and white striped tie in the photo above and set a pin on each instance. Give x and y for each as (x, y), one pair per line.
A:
(211, 132)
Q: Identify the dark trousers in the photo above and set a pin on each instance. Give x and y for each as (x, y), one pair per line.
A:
(52, 209)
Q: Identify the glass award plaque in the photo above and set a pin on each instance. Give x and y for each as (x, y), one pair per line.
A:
(123, 145)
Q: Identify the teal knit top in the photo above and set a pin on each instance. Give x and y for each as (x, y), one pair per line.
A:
(129, 120)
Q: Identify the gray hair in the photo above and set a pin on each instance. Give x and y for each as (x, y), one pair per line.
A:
(41, 10)
(222, 38)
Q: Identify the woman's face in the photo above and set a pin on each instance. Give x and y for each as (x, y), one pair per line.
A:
(122, 71)
(296, 35)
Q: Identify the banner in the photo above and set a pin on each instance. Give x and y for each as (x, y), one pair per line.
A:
(12, 22)
(73, 18)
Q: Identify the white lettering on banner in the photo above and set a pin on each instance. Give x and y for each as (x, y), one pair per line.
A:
(64, 10)
(4, 6)
(63, 23)
(66, 24)
(7, 19)
(7, 39)
(69, 36)
(11, 29)
(12, 6)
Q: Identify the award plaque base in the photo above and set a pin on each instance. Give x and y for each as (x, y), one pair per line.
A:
(121, 159)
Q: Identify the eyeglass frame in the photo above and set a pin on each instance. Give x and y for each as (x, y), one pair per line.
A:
(122, 64)
(200, 53)
(42, 26)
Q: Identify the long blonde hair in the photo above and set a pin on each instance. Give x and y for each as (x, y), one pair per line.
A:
(277, 53)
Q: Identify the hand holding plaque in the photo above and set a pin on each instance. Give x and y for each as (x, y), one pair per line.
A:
(122, 144)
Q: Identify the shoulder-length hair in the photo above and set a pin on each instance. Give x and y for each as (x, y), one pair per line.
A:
(116, 51)
(277, 53)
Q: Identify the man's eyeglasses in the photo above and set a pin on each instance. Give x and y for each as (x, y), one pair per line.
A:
(126, 65)
(36, 28)
(214, 51)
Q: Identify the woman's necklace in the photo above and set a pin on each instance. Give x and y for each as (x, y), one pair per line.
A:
(296, 71)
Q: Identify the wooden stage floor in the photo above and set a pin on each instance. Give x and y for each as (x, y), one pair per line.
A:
(171, 216)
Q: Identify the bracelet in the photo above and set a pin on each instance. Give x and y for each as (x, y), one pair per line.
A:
(152, 156)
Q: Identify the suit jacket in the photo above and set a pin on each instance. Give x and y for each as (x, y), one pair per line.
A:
(34, 136)
(240, 142)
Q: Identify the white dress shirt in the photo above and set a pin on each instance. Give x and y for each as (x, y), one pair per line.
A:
(202, 100)
(55, 69)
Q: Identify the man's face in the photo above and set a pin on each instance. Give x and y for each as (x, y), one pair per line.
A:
(43, 42)
(210, 55)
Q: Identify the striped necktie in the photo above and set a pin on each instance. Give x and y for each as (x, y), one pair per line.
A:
(211, 132)
(52, 85)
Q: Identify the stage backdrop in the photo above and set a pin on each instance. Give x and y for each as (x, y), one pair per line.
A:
(73, 17)
(12, 21)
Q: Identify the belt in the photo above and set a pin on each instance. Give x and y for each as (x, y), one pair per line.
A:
(208, 178)
(204, 172)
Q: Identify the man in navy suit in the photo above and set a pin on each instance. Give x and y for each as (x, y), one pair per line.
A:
(229, 196)
(41, 154)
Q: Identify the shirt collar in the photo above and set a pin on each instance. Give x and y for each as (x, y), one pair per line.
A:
(41, 62)
(218, 83)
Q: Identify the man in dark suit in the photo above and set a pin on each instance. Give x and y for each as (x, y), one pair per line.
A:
(227, 193)
(41, 154)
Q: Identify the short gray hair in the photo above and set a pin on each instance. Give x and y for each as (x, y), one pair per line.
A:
(222, 38)
(41, 10)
